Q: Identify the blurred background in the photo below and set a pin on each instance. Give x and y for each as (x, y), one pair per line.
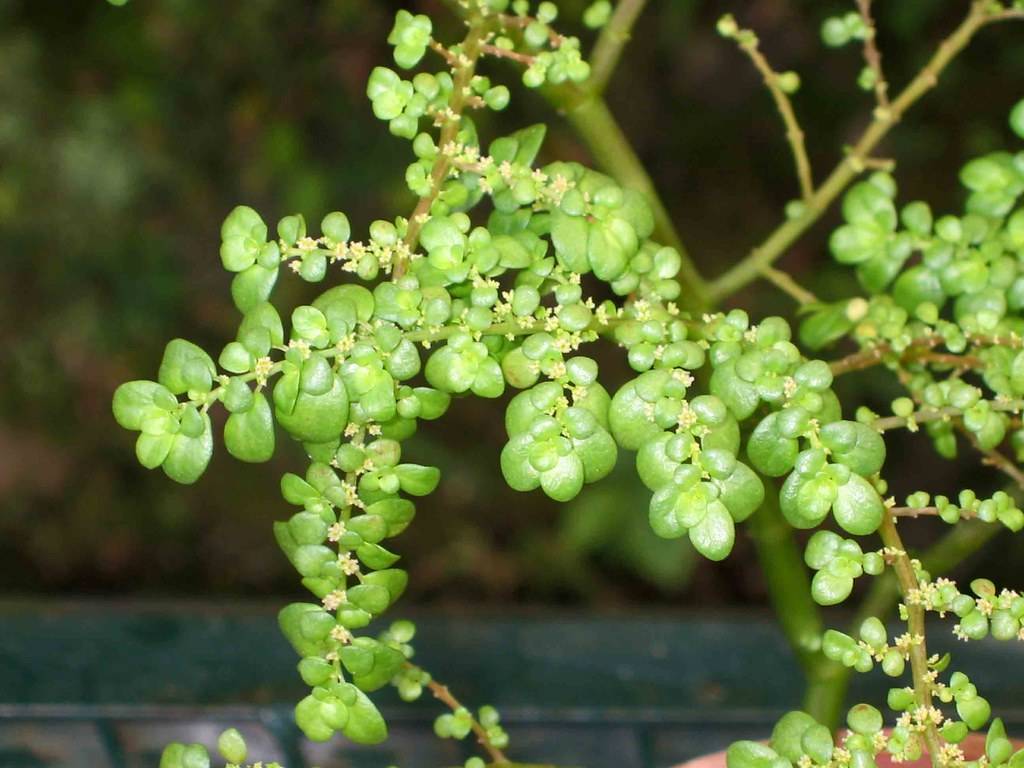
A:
(127, 134)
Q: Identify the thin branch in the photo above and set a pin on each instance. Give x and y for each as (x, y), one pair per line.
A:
(872, 56)
(947, 413)
(442, 694)
(464, 71)
(914, 512)
(598, 129)
(779, 241)
(785, 282)
(507, 21)
(504, 53)
(611, 42)
(748, 43)
(994, 458)
(908, 583)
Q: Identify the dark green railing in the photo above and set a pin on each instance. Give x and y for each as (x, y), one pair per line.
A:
(106, 686)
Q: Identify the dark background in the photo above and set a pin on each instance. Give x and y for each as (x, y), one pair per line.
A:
(127, 134)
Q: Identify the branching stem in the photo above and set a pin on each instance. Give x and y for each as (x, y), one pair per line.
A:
(779, 241)
(908, 583)
(442, 694)
(749, 44)
(785, 283)
(872, 56)
(463, 75)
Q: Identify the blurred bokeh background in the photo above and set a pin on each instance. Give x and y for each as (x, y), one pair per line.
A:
(127, 134)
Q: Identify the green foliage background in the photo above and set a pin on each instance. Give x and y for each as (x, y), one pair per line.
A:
(127, 134)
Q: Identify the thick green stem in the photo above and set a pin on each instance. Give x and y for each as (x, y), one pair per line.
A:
(789, 589)
(597, 127)
(608, 49)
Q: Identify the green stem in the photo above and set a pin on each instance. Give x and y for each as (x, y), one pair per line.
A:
(779, 241)
(907, 581)
(597, 127)
(463, 75)
(608, 49)
(961, 542)
(789, 589)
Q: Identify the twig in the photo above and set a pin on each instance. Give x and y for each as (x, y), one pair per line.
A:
(779, 241)
(872, 56)
(947, 413)
(748, 43)
(464, 71)
(916, 625)
(503, 53)
(995, 459)
(441, 50)
(594, 123)
(611, 42)
(785, 282)
(965, 514)
(442, 694)
(506, 21)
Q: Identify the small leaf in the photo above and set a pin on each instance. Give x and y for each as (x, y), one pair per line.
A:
(135, 399)
(249, 435)
(186, 366)
(365, 724)
(713, 536)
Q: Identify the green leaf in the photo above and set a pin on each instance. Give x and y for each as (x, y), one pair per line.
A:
(375, 556)
(825, 325)
(418, 480)
(631, 426)
(770, 452)
(741, 397)
(387, 663)
(975, 712)
(372, 598)
(151, 450)
(742, 492)
(855, 445)
(788, 733)
(243, 221)
(289, 620)
(394, 580)
(858, 508)
(188, 457)
(249, 435)
(817, 743)
(312, 418)
(398, 513)
(263, 323)
(570, 235)
(186, 366)
(515, 464)
(796, 513)
(750, 754)
(252, 287)
(830, 589)
(598, 454)
(231, 746)
(714, 535)
(134, 401)
(365, 724)
(528, 143)
(565, 480)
